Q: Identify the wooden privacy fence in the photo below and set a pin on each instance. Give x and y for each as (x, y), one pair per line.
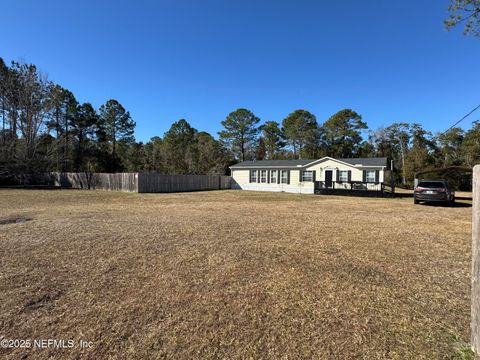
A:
(178, 183)
(140, 182)
(103, 181)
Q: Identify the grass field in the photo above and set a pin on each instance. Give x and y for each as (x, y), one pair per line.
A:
(233, 275)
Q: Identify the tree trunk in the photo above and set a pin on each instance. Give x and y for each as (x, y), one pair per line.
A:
(404, 181)
(3, 120)
(13, 127)
(58, 149)
(65, 151)
(79, 151)
(58, 140)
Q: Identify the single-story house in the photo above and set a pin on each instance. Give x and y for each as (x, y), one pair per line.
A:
(307, 176)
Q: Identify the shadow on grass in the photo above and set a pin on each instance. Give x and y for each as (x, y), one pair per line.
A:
(440, 204)
(32, 187)
(403, 195)
(15, 220)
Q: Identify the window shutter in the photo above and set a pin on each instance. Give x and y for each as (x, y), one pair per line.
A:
(288, 176)
(300, 175)
(364, 176)
(338, 176)
(279, 174)
(349, 175)
(250, 176)
(314, 176)
(258, 175)
(268, 176)
(377, 176)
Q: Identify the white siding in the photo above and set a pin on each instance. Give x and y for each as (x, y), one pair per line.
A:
(241, 179)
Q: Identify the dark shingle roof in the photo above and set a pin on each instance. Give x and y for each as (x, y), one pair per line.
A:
(296, 163)
(374, 161)
(277, 163)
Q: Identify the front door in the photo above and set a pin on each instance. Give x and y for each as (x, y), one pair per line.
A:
(328, 178)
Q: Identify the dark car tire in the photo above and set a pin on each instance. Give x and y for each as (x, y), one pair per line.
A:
(452, 202)
(415, 201)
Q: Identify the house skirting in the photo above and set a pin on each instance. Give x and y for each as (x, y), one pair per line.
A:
(276, 188)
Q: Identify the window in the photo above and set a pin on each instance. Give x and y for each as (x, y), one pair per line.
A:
(307, 175)
(284, 177)
(370, 176)
(431, 184)
(253, 176)
(342, 176)
(273, 176)
(263, 176)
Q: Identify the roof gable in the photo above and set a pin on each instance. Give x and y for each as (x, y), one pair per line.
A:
(353, 162)
(327, 158)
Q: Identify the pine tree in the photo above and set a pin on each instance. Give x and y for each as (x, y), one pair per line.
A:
(240, 131)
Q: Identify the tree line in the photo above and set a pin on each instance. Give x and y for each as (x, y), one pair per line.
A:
(44, 128)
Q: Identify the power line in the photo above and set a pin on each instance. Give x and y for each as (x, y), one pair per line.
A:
(463, 118)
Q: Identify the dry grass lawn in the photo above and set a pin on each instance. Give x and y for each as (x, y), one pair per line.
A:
(233, 275)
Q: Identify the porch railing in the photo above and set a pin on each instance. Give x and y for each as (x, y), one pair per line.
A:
(352, 186)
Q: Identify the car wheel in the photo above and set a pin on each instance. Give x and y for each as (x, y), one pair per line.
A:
(415, 201)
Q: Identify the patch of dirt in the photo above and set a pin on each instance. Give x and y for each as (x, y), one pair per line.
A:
(15, 220)
(44, 299)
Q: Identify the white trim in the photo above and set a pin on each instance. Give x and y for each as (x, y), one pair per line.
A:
(302, 173)
(374, 176)
(262, 178)
(333, 170)
(330, 158)
(339, 171)
(250, 177)
(270, 177)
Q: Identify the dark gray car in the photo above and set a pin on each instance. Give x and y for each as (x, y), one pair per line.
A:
(434, 191)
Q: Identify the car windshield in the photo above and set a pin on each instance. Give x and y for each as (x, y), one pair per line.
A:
(431, 184)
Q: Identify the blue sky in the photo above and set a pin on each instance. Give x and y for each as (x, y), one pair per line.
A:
(199, 60)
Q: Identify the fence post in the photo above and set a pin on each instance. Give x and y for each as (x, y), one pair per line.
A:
(475, 308)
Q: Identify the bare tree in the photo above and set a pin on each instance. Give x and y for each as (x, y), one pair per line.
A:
(29, 113)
